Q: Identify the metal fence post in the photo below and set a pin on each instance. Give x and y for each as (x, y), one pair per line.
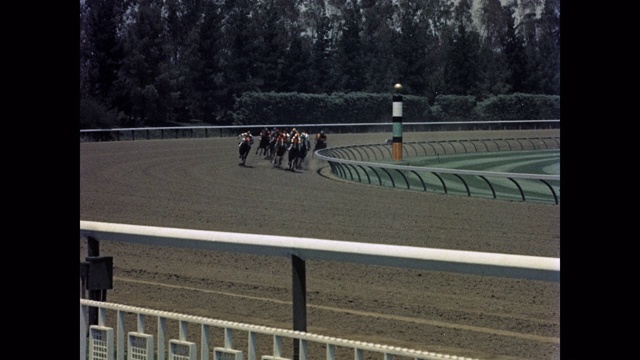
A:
(299, 289)
(397, 123)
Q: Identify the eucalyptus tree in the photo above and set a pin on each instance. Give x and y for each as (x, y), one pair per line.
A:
(210, 80)
(411, 47)
(549, 47)
(350, 61)
(100, 59)
(438, 15)
(493, 22)
(100, 47)
(514, 51)
(379, 19)
(182, 19)
(297, 74)
(541, 35)
(461, 57)
(323, 49)
(242, 71)
(143, 85)
(272, 43)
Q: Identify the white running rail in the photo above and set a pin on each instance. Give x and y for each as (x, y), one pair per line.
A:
(469, 262)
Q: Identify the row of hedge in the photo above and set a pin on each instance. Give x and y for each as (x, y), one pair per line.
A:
(296, 108)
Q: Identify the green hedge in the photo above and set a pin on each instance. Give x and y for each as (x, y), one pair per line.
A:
(452, 108)
(520, 106)
(257, 108)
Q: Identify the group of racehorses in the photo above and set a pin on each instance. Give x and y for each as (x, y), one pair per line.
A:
(274, 148)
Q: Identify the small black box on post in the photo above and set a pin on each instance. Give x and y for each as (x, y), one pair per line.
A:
(100, 272)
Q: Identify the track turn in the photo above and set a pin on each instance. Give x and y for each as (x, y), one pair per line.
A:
(197, 184)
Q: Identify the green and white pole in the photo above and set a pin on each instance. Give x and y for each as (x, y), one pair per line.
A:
(397, 123)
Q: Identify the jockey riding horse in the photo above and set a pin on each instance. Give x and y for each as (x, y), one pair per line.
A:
(245, 146)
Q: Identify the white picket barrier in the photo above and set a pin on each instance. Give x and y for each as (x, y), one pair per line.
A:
(103, 342)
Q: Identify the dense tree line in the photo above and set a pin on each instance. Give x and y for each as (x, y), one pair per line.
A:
(150, 62)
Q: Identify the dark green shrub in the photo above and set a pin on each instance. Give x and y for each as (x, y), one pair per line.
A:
(520, 106)
(95, 115)
(453, 108)
(255, 108)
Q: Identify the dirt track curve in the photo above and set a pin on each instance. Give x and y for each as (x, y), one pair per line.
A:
(197, 184)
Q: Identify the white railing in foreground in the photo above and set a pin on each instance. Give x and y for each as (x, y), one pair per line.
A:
(101, 337)
(104, 343)
(469, 262)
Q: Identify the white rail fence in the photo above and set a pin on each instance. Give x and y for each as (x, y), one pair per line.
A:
(174, 132)
(104, 343)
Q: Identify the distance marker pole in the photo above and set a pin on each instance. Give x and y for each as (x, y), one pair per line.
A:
(397, 123)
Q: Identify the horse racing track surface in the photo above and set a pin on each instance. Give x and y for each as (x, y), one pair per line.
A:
(197, 184)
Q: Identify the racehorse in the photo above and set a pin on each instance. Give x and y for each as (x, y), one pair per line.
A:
(302, 153)
(245, 148)
(279, 149)
(263, 146)
(271, 148)
(320, 144)
(294, 153)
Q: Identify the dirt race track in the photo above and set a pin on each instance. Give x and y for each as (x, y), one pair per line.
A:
(198, 184)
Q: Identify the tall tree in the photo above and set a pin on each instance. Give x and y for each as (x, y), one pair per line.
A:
(100, 59)
(210, 85)
(142, 81)
(241, 48)
(381, 71)
(351, 60)
(323, 50)
(182, 24)
(297, 75)
(462, 56)
(100, 48)
(440, 14)
(411, 47)
(273, 45)
(493, 20)
(548, 45)
(514, 51)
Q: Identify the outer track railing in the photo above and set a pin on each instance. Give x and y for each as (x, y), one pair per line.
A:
(370, 164)
(102, 338)
(150, 338)
(176, 132)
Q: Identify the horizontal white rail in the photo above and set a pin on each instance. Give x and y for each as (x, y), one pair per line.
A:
(323, 125)
(469, 262)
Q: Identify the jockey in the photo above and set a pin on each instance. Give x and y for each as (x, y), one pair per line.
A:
(304, 139)
(280, 142)
(245, 135)
(320, 136)
(295, 138)
(265, 134)
(274, 134)
(281, 137)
